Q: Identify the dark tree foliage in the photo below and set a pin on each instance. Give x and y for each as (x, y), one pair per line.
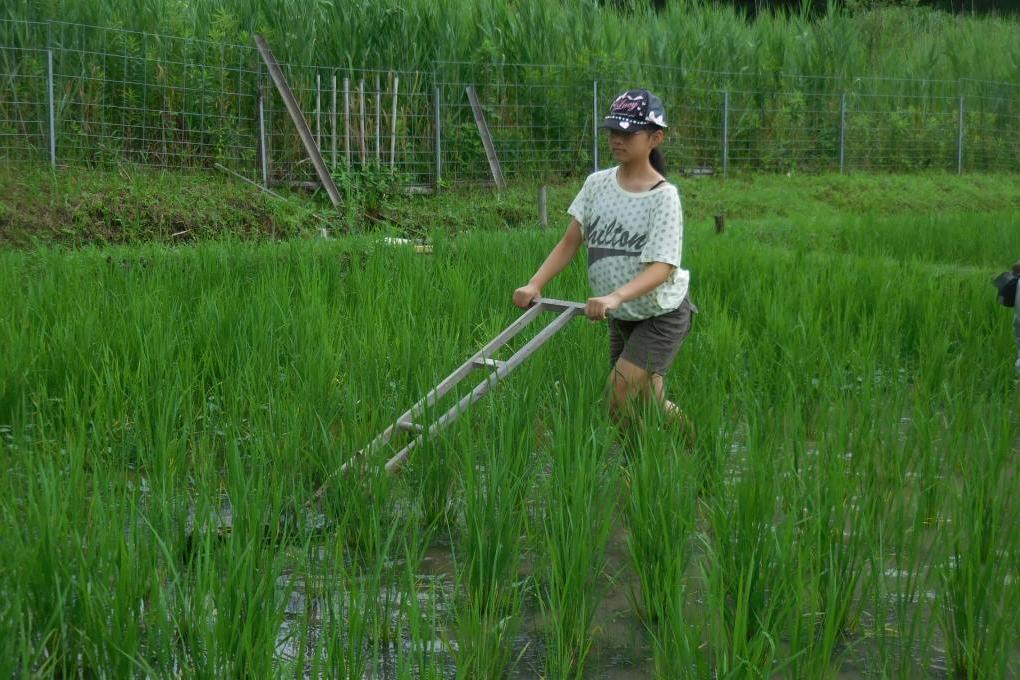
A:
(820, 6)
(817, 7)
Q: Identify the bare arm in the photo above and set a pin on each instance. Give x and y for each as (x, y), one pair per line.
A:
(653, 276)
(650, 278)
(560, 256)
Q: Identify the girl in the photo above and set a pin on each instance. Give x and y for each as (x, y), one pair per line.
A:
(631, 221)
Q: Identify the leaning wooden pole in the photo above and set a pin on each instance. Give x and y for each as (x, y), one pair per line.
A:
(483, 131)
(311, 148)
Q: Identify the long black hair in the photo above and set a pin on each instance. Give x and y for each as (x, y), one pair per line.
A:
(656, 158)
(658, 161)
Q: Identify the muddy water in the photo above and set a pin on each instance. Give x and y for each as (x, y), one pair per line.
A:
(620, 652)
(621, 649)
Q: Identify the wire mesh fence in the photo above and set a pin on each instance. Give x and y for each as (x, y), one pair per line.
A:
(183, 103)
(361, 119)
(797, 124)
(24, 105)
(71, 93)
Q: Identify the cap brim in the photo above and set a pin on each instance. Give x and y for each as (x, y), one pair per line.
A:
(624, 126)
(614, 124)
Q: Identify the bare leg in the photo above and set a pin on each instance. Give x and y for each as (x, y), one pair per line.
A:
(631, 386)
(677, 418)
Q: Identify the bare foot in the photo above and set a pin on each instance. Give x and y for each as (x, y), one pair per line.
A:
(682, 424)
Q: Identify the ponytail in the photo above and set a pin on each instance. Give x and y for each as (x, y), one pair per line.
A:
(658, 161)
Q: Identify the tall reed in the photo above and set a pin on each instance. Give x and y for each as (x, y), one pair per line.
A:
(189, 94)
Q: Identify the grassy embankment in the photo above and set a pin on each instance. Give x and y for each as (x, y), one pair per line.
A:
(77, 207)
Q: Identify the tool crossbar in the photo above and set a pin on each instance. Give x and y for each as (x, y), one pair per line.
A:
(408, 421)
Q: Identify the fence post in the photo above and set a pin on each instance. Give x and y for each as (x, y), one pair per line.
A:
(347, 121)
(438, 137)
(726, 133)
(332, 121)
(318, 110)
(362, 149)
(842, 132)
(52, 109)
(595, 124)
(263, 151)
(959, 141)
(393, 122)
(543, 212)
(378, 119)
(143, 142)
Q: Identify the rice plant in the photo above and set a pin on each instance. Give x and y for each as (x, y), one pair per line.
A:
(573, 530)
(662, 511)
(167, 414)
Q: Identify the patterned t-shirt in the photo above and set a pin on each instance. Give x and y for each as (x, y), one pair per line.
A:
(625, 231)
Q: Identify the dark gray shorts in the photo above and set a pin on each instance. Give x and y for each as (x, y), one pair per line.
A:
(651, 343)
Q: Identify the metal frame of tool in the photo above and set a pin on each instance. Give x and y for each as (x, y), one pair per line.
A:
(407, 422)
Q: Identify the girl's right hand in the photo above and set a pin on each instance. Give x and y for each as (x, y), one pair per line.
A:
(525, 295)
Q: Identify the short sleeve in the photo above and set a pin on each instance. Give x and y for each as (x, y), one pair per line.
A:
(665, 232)
(580, 207)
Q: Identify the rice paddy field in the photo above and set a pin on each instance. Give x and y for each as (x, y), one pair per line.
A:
(848, 509)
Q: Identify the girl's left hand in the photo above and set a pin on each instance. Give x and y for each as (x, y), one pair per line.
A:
(598, 308)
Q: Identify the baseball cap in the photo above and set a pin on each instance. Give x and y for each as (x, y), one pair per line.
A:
(635, 110)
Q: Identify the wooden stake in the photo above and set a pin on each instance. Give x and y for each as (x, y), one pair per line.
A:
(393, 123)
(311, 148)
(361, 111)
(378, 120)
(483, 131)
(332, 127)
(347, 121)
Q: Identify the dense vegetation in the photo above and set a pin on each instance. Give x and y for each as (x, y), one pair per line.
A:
(892, 88)
(754, 7)
(187, 359)
(848, 506)
(412, 34)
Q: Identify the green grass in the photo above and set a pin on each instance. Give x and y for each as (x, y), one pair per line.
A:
(847, 506)
(79, 206)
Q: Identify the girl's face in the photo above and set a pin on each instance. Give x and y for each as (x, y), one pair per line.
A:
(629, 147)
